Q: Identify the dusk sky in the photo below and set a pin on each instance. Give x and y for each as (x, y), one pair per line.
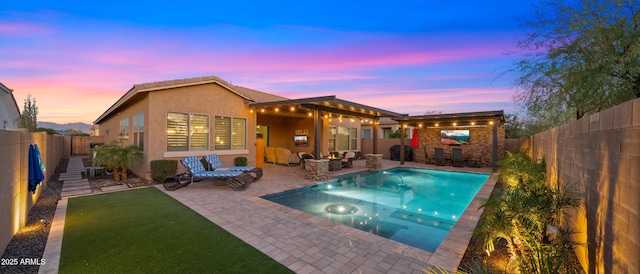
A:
(76, 58)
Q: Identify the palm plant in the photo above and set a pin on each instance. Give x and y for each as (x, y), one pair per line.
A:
(522, 213)
(118, 158)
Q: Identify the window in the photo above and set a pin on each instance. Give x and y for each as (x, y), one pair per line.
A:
(230, 133)
(124, 129)
(138, 130)
(366, 134)
(187, 132)
(332, 138)
(386, 132)
(343, 138)
(354, 139)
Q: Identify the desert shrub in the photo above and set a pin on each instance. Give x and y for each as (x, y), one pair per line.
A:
(160, 169)
(240, 161)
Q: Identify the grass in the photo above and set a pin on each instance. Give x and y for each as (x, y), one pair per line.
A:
(145, 230)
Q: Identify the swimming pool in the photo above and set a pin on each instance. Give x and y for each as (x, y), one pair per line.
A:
(413, 206)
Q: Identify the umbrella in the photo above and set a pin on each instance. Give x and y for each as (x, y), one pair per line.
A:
(414, 139)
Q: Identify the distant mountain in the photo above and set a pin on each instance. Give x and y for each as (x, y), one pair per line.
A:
(60, 127)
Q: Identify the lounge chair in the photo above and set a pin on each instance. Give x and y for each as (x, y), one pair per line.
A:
(347, 161)
(438, 157)
(215, 164)
(456, 157)
(237, 180)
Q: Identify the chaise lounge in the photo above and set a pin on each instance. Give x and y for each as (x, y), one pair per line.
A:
(215, 164)
(237, 180)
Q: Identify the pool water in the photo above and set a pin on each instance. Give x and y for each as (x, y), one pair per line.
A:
(413, 206)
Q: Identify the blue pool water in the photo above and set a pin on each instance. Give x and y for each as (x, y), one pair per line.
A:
(413, 206)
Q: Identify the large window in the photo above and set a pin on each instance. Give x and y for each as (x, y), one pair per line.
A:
(342, 138)
(187, 132)
(138, 130)
(332, 138)
(124, 129)
(230, 133)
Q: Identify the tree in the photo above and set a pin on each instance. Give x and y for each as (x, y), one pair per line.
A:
(28, 119)
(49, 131)
(580, 57)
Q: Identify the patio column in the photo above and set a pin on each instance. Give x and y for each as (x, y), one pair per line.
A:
(402, 143)
(375, 135)
(495, 142)
(317, 132)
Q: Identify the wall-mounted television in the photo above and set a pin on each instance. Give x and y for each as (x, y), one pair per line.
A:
(301, 140)
(454, 137)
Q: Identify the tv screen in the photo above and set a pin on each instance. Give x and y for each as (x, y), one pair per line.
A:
(300, 140)
(454, 137)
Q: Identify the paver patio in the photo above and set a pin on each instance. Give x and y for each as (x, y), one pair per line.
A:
(306, 243)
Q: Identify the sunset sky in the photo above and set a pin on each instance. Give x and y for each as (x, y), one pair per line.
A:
(76, 58)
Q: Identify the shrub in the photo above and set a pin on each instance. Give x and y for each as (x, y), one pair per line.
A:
(160, 169)
(240, 161)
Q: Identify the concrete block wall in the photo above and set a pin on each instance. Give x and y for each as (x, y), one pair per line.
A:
(15, 199)
(600, 156)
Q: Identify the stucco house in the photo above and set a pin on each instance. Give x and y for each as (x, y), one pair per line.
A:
(203, 115)
(9, 111)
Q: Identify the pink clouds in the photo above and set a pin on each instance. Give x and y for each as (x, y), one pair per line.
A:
(76, 75)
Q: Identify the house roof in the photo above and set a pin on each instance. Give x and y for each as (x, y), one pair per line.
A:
(138, 90)
(10, 91)
(326, 104)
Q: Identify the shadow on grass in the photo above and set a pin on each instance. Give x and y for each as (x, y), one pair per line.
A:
(144, 230)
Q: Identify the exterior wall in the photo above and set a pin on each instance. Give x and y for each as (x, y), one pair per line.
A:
(384, 146)
(210, 99)
(600, 155)
(15, 199)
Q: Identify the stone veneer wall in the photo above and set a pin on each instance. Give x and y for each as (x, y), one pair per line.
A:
(600, 155)
(480, 142)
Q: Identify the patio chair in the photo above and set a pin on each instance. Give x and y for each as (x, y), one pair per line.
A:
(237, 180)
(285, 157)
(215, 164)
(347, 161)
(438, 157)
(270, 153)
(456, 157)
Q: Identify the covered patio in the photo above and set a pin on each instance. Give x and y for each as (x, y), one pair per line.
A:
(484, 135)
(311, 116)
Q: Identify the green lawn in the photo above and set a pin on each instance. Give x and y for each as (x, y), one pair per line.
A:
(145, 230)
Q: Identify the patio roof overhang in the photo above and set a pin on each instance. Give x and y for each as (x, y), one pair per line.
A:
(453, 119)
(324, 105)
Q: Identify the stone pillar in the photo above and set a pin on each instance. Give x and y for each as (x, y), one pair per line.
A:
(317, 170)
(374, 161)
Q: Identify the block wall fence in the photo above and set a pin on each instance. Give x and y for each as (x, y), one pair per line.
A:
(599, 155)
(15, 199)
